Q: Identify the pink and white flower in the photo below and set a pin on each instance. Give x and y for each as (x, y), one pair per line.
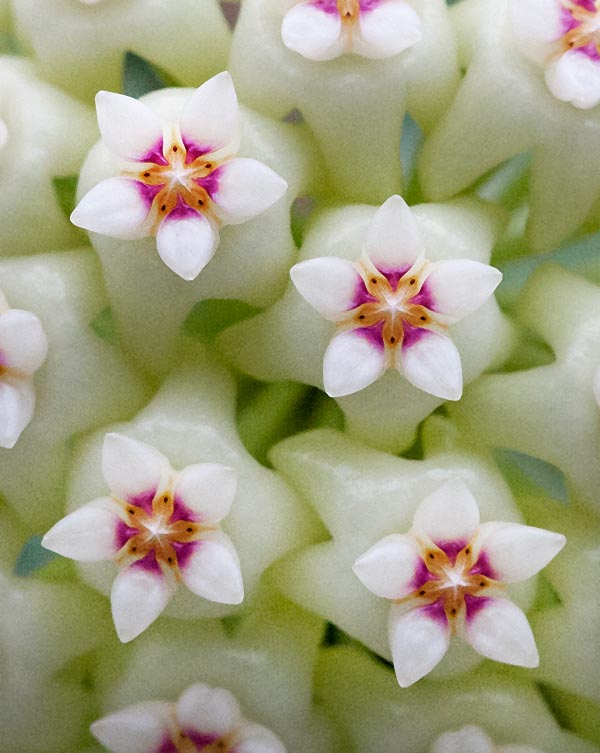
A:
(448, 576)
(474, 740)
(178, 181)
(204, 720)
(23, 350)
(564, 37)
(326, 29)
(393, 307)
(160, 527)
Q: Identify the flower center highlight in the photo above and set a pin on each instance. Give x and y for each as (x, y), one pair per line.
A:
(349, 10)
(581, 27)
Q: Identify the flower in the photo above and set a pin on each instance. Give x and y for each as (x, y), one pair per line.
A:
(160, 527)
(179, 181)
(474, 740)
(564, 37)
(203, 719)
(447, 577)
(393, 307)
(326, 29)
(23, 349)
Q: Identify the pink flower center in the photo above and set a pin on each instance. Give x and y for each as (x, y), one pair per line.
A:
(581, 27)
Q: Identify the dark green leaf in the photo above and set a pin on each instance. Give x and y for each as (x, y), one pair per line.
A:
(140, 76)
(33, 556)
(104, 326)
(537, 472)
(65, 188)
(208, 318)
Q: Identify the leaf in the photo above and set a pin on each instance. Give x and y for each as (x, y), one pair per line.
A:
(33, 556)
(140, 76)
(104, 326)
(65, 189)
(209, 317)
(537, 472)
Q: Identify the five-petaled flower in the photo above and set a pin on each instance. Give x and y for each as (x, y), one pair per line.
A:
(160, 527)
(204, 720)
(23, 349)
(564, 37)
(393, 307)
(447, 576)
(474, 740)
(178, 181)
(326, 29)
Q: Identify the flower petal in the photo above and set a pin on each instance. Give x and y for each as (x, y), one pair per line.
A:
(516, 552)
(461, 286)
(213, 570)
(137, 598)
(466, 740)
(246, 188)
(449, 513)
(115, 207)
(128, 127)
(419, 640)
(386, 30)
(312, 32)
(328, 284)
(186, 243)
(23, 342)
(210, 117)
(499, 630)
(393, 239)
(431, 362)
(88, 534)
(17, 404)
(142, 728)
(389, 567)
(575, 78)
(131, 467)
(208, 710)
(535, 25)
(254, 738)
(208, 489)
(351, 363)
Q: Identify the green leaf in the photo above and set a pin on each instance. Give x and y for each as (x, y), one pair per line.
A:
(536, 472)
(104, 326)
(140, 76)
(65, 188)
(209, 317)
(33, 556)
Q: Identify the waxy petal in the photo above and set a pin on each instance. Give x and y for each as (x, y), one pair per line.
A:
(208, 710)
(432, 363)
(23, 342)
(535, 25)
(393, 240)
(186, 243)
(208, 490)
(137, 598)
(210, 117)
(419, 641)
(575, 78)
(461, 286)
(115, 207)
(128, 127)
(387, 29)
(389, 567)
(466, 740)
(499, 630)
(312, 32)
(88, 534)
(131, 467)
(328, 284)
(213, 570)
(142, 728)
(254, 738)
(449, 513)
(17, 404)
(246, 188)
(351, 363)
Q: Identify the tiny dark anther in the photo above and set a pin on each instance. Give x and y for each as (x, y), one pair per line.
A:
(423, 318)
(392, 340)
(431, 556)
(421, 593)
(208, 165)
(174, 148)
(134, 548)
(482, 584)
(146, 175)
(453, 610)
(362, 316)
(170, 560)
(200, 202)
(163, 208)
(165, 500)
(467, 551)
(374, 280)
(412, 282)
(189, 530)
(131, 512)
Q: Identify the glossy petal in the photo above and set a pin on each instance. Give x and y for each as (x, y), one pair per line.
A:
(208, 710)
(432, 363)
(387, 30)
(418, 641)
(186, 244)
(128, 127)
(351, 363)
(328, 284)
(210, 117)
(131, 467)
(461, 286)
(213, 571)
(208, 489)
(388, 568)
(23, 342)
(137, 598)
(254, 738)
(575, 78)
(499, 630)
(88, 534)
(142, 728)
(449, 513)
(312, 32)
(466, 740)
(114, 207)
(393, 238)
(17, 404)
(535, 24)
(246, 188)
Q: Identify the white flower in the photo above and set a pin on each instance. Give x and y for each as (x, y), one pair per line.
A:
(160, 527)
(179, 181)
(23, 349)
(204, 719)
(474, 740)
(326, 29)
(564, 37)
(447, 576)
(392, 308)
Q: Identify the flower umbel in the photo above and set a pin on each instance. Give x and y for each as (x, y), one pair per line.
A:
(447, 576)
(160, 527)
(474, 740)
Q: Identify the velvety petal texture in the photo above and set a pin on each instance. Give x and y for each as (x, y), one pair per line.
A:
(432, 363)
(17, 405)
(88, 534)
(213, 571)
(351, 363)
(23, 342)
(142, 728)
(313, 32)
(461, 286)
(450, 513)
(391, 27)
(208, 710)
(128, 127)
(499, 630)
(574, 77)
(328, 284)
(186, 243)
(466, 740)
(208, 490)
(138, 597)
(246, 188)
(115, 207)
(419, 640)
(131, 467)
(210, 117)
(393, 239)
(254, 738)
(389, 567)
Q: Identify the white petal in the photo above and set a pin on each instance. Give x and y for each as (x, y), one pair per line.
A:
(389, 567)
(328, 284)
(499, 630)
(450, 513)
(208, 710)
(142, 728)
(210, 117)
(208, 489)
(23, 342)
(131, 467)
(535, 25)
(388, 29)
(88, 534)
(186, 244)
(418, 641)
(596, 386)
(254, 738)
(351, 363)
(115, 207)
(246, 188)
(432, 364)
(17, 404)
(393, 239)
(213, 571)
(575, 78)
(128, 127)
(466, 740)
(312, 32)
(516, 552)
(461, 286)
(137, 598)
